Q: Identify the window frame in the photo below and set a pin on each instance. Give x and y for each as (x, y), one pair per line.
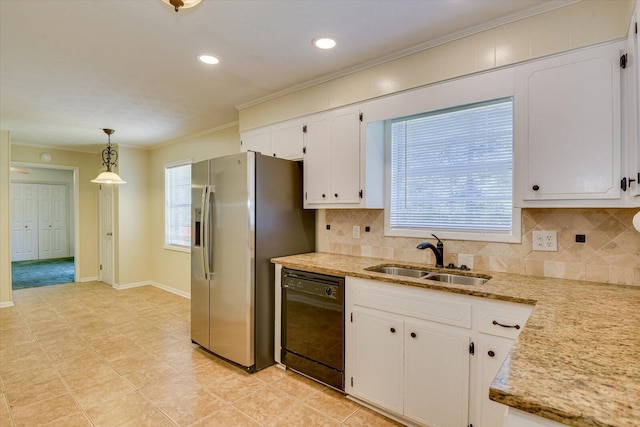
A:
(515, 234)
(166, 244)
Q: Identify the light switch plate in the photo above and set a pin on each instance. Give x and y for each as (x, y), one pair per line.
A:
(545, 241)
(356, 231)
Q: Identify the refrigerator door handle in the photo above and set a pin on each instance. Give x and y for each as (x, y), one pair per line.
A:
(211, 203)
(204, 231)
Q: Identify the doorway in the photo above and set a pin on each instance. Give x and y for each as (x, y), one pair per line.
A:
(43, 207)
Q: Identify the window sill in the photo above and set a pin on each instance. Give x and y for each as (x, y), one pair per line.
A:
(184, 249)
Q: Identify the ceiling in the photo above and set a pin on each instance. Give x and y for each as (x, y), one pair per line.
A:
(69, 68)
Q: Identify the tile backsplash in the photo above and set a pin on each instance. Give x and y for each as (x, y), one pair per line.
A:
(610, 254)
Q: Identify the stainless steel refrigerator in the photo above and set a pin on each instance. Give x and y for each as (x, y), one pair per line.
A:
(246, 209)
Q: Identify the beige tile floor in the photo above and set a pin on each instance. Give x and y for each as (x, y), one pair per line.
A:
(85, 354)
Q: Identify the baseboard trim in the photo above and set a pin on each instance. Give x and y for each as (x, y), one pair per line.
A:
(183, 294)
(130, 285)
(6, 304)
(154, 284)
(88, 279)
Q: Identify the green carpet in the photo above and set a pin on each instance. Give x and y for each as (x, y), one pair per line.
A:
(31, 274)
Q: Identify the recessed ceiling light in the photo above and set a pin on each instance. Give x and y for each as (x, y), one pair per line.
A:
(208, 59)
(324, 43)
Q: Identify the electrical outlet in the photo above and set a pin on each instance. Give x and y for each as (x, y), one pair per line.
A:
(356, 231)
(545, 241)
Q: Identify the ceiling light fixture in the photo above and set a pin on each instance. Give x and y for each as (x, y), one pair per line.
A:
(324, 43)
(109, 159)
(208, 59)
(185, 4)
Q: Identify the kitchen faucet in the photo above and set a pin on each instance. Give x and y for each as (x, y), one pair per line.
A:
(437, 250)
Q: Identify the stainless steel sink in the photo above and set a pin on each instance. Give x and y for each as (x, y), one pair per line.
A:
(398, 271)
(456, 279)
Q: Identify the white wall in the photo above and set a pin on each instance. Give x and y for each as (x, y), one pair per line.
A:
(88, 165)
(140, 252)
(133, 213)
(169, 268)
(6, 299)
(573, 26)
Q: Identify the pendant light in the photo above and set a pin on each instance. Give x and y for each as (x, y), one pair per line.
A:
(185, 4)
(109, 159)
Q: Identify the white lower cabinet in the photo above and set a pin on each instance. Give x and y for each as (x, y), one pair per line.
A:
(413, 368)
(427, 357)
(436, 373)
(377, 351)
(491, 353)
(516, 418)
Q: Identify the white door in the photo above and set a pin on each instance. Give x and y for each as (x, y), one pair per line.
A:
(436, 374)
(53, 240)
(106, 233)
(24, 222)
(376, 355)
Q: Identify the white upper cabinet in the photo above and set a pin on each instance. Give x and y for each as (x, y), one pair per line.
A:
(568, 129)
(284, 140)
(287, 140)
(632, 98)
(258, 140)
(339, 163)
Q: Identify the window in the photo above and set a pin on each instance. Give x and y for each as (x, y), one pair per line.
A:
(177, 218)
(451, 173)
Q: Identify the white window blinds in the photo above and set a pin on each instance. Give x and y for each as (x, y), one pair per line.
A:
(178, 205)
(452, 169)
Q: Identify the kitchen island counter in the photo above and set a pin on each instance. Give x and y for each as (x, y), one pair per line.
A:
(577, 359)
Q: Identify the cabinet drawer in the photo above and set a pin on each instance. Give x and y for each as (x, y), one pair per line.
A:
(418, 303)
(503, 320)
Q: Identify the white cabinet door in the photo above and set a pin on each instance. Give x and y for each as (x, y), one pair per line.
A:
(436, 374)
(632, 93)
(258, 140)
(491, 352)
(317, 161)
(332, 160)
(345, 157)
(283, 140)
(568, 123)
(376, 352)
(517, 418)
(287, 140)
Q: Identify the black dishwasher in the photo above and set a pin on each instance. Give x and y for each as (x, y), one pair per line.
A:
(313, 325)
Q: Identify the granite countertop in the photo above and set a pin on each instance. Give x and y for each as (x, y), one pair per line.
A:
(577, 360)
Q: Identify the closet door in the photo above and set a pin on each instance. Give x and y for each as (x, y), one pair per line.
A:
(24, 222)
(53, 236)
